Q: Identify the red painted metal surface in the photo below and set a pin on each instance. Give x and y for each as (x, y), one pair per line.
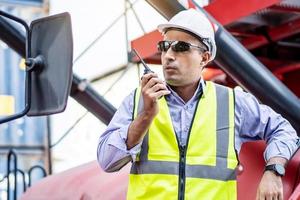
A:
(286, 69)
(277, 33)
(210, 73)
(146, 46)
(291, 79)
(285, 8)
(89, 182)
(296, 194)
(227, 11)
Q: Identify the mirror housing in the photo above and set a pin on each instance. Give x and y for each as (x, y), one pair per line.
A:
(49, 56)
(51, 42)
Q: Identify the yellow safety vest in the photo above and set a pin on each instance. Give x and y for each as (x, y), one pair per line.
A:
(204, 169)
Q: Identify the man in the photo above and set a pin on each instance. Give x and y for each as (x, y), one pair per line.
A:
(182, 135)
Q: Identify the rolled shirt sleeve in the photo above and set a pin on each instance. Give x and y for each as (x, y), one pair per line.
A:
(257, 121)
(112, 152)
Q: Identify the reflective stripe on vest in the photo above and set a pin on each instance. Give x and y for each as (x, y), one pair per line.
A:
(210, 157)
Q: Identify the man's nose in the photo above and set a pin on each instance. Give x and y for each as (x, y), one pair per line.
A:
(169, 55)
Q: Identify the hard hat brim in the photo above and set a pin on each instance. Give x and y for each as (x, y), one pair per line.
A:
(163, 27)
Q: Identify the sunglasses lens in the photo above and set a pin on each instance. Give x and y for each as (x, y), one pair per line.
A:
(180, 46)
(177, 46)
(163, 46)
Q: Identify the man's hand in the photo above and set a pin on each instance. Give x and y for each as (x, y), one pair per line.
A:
(152, 89)
(270, 187)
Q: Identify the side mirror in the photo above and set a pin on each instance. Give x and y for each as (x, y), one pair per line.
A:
(49, 57)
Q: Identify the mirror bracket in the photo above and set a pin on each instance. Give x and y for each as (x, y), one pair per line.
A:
(35, 64)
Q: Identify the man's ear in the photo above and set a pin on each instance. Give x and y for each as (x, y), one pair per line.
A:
(205, 58)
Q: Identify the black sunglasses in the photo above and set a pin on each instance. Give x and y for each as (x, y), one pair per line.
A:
(176, 46)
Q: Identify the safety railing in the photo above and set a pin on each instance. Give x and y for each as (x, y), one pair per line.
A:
(13, 180)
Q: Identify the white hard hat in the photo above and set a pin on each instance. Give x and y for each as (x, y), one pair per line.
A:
(195, 22)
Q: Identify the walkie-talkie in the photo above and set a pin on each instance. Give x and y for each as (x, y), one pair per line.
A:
(146, 68)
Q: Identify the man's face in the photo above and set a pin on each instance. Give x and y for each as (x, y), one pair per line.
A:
(182, 68)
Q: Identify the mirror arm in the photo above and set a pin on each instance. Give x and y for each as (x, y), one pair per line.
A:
(28, 72)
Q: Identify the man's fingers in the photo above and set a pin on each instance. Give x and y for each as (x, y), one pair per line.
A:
(153, 81)
(156, 95)
(261, 196)
(257, 195)
(268, 197)
(158, 87)
(281, 196)
(155, 92)
(147, 77)
(161, 93)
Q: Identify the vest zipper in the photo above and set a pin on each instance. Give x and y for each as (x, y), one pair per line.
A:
(181, 188)
(182, 157)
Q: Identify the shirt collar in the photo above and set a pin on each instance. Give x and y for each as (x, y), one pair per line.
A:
(203, 86)
(198, 93)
